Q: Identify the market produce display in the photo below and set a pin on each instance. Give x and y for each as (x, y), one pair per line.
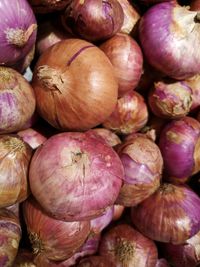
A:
(100, 133)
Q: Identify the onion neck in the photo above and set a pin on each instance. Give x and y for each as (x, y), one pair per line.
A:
(124, 251)
(166, 188)
(37, 244)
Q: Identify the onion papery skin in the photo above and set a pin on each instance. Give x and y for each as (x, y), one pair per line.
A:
(143, 165)
(15, 93)
(101, 222)
(57, 240)
(118, 212)
(83, 169)
(127, 59)
(183, 255)
(176, 35)
(96, 261)
(109, 137)
(48, 6)
(162, 263)
(10, 236)
(194, 84)
(170, 99)
(125, 246)
(179, 144)
(70, 102)
(18, 29)
(170, 215)
(15, 157)
(24, 259)
(93, 20)
(130, 114)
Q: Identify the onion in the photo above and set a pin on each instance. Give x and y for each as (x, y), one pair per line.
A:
(170, 99)
(101, 222)
(179, 144)
(166, 42)
(15, 208)
(24, 259)
(143, 166)
(57, 240)
(109, 137)
(130, 114)
(17, 29)
(170, 215)
(93, 20)
(72, 90)
(15, 93)
(75, 176)
(127, 59)
(127, 247)
(47, 6)
(15, 156)
(96, 261)
(162, 263)
(194, 84)
(10, 235)
(118, 212)
(184, 255)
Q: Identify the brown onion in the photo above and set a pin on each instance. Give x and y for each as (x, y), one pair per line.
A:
(127, 59)
(130, 114)
(127, 247)
(24, 259)
(15, 156)
(96, 261)
(46, 6)
(73, 90)
(111, 138)
(75, 176)
(57, 240)
(17, 100)
(170, 215)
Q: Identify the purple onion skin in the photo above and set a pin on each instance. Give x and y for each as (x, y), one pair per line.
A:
(15, 15)
(94, 20)
(162, 263)
(170, 215)
(101, 222)
(179, 144)
(170, 38)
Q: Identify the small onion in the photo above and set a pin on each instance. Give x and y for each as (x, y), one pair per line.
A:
(194, 84)
(127, 247)
(75, 176)
(170, 99)
(169, 32)
(179, 144)
(96, 261)
(93, 20)
(57, 240)
(24, 259)
(109, 137)
(170, 215)
(15, 156)
(17, 29)
(127, 59)
(47, 6)
(184, 255)
(130, 114)
(74, 91)
(162, 263)
(143, 164)
(15, 93)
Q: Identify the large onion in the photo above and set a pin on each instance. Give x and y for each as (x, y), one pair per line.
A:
(170, 38)
(46, 6)
(75, 176)
(170, 215)
(73, 90)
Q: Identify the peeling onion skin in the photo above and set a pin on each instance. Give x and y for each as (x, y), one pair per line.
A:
(76, 159)
(179, 144)
(143, 165)
(162, 263)
(66, 101)
(125, 246)
(96, 261)
(109, 137)
(56, 240)
(130, 114)
(170, 215)
(48, 6)
(177, 35)
(126, 57)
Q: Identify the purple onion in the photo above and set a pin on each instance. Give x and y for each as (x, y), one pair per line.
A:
(17, 29)
(179, 144)
(169, 215)
(162, 263)
(170, 38)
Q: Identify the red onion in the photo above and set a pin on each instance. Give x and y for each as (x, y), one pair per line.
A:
(143, 166)
(72, 90)
(170, 215)
(194, 84)
(170, 99)
(184, 255)
(118, 212)
(109, 137)
(127, 247)
(15, 156)
(24, 259)
(93, 20)
(57, 240)
(130, 114)
(17, 30)
(96, 261)
(127, 59)
(75, 176)
(162, 263)
(15, 93)
(179, 144)
(166, 42)
(47, 6)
